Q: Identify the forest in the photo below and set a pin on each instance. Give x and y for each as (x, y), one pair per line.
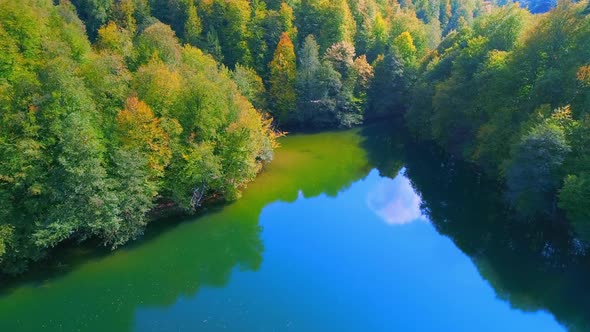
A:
(111, 109)
(511, 94)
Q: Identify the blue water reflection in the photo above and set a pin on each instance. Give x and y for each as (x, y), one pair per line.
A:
(367, 260)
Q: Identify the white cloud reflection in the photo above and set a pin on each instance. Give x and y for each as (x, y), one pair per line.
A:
(395, 201)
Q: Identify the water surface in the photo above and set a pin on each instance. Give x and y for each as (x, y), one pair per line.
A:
(345, 231)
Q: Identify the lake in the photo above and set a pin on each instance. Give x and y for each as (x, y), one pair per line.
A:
(357, 230)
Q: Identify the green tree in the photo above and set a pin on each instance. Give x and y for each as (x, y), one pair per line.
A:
(181, 15)
(330, 21)
(318, 86)
(404, 21)
(5, 239)
(251, 86)
(81, 198)
(192, 27)
(108, 80)
(158, 40)
(229, 20)
(194, 173)
(213, 46)
(573, 199)
(94, 13)
(390, 88)
(533, 173)
(266, 28)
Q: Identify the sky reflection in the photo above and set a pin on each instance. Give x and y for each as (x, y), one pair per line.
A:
(395, 201)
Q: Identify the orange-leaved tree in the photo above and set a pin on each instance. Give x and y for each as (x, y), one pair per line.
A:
(282, 80)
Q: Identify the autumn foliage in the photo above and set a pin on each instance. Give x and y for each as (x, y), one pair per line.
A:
(139, 129)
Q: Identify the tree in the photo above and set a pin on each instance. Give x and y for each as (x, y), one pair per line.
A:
(108, 80)
(575, 193)
(533, 173)
(251, 86)
(192, 27)
(389, 91)
(338, 24)
(235, 33)
(364, 75)
(404, 46)
(353, 79)
(181, 15)
(123, 14)
(82, 201)
(6, 233)
(318, 85)
(213, 46)
(158, 40)
(379, 37)
(282, 94)
(341, 57)
(194, 173)
(94, 13)
(158, 85)
(266, 27)
(229, 21)
(408, 22)
(573, 199)
(134, 185)
(138, 129)
(330, 21)
(116, 40)
(308, 85)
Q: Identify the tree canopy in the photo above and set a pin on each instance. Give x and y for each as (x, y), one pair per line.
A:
(93, 137)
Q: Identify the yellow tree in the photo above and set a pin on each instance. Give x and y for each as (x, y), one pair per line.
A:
(583, 75)
(139, 129)
(115, 39)
(282, 80)
(404, 45)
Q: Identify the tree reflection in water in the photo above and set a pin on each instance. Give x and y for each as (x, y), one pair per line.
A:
(535, 265)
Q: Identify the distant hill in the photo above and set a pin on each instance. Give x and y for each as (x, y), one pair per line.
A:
(539, 6)
(534, 6)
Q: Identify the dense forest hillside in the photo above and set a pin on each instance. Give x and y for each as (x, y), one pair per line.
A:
(308, 63)
(110, 108)
(511, 93)
(92, 136)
